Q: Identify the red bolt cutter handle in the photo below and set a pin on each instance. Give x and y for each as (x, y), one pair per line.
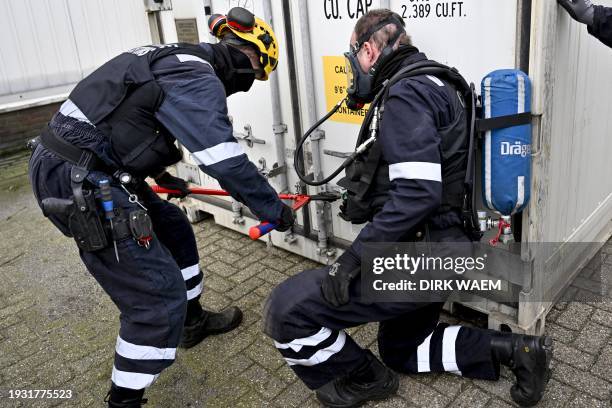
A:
(262, 229)
(202, 191)
(213, 192)
(257, 231)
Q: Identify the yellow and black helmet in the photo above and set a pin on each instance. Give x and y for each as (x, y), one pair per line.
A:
(241, 27)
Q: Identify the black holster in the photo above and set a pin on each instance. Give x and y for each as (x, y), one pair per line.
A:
(84, 221)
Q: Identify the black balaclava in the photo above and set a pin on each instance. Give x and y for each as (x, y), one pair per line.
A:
(392, 64)
(233, 67)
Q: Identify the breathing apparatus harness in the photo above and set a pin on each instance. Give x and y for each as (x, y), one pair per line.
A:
(368, 132)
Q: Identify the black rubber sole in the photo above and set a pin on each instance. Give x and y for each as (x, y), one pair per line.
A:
(546, 344)
(191, 342)
(230, 327)
(384, 394)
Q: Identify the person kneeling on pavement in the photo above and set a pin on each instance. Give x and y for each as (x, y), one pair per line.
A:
(118, 127)
(411, 194)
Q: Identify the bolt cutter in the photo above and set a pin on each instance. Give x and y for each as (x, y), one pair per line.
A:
(258, 231)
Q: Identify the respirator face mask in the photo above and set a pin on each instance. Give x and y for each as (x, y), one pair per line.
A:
(360, 84)
(360, 90)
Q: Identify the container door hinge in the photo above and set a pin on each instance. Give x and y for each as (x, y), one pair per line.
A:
(279, 129)
(276, 170)
(318, 135)
(248, 137)
(333, 153)
(237, 217)
(290, 238)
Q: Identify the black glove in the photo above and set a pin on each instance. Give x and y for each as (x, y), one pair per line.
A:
(580, 10)
(167, 180)
(287, 219)
(335, 286)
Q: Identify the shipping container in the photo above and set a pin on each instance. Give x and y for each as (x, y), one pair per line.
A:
(49, 45)
(571, 199)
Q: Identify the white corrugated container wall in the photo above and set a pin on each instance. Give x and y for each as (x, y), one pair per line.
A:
(571, 107)
(580, 194)
(49, 45)
(571, 188)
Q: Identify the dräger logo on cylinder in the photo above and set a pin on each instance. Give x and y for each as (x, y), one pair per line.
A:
(516, 149)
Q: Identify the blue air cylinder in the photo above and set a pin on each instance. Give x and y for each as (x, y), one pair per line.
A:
(506, 153)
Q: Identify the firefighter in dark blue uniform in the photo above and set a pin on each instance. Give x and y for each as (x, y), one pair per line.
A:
(410, 195)
(120, 124)
(597, 18)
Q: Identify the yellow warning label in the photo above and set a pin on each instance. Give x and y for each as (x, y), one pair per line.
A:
(334, 74)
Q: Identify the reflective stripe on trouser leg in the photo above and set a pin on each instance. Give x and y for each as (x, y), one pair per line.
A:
(146, 286)
(149, 290)
(137, 366)
(175, 232)
(437, 353)
(319, 358)
(193, 277)
(459, 350)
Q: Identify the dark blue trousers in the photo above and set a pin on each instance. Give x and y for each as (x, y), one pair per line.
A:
(309, 334)
(150, 287)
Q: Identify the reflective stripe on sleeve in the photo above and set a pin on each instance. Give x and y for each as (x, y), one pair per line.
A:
(187, 57)
(69, 109)
(423, 365)
(218, 153)
(415, 171)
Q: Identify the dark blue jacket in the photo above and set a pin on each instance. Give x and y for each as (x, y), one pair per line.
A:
(416, 108)
(602, 25)
(194, 110)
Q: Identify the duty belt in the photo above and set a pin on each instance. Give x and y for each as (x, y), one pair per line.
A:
(71, 153)
(83, 162)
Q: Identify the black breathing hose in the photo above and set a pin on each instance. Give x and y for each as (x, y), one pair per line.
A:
(300, 147)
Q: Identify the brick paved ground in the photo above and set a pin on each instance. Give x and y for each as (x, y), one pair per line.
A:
(58, 329)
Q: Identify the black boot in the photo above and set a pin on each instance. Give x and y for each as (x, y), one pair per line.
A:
(372, 381)
(119, 397)
(529, 359)
(201, 323)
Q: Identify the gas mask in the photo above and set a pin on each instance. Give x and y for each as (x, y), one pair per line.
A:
(234, 68)
(360, 83)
